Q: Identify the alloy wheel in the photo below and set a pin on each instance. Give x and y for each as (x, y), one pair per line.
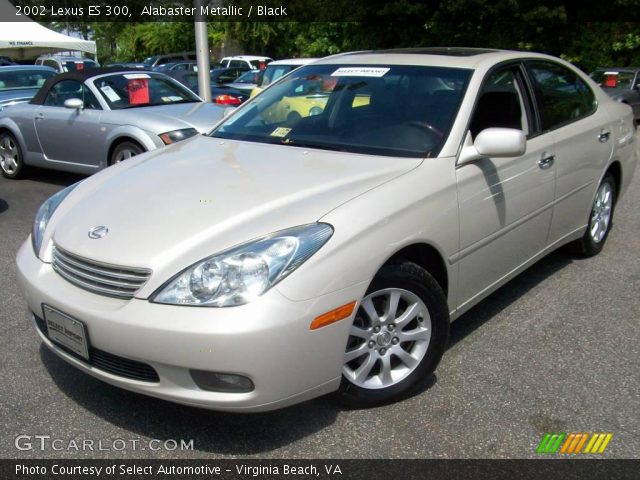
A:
(389, 338)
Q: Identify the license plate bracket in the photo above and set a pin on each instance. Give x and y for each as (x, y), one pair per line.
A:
(66, 331)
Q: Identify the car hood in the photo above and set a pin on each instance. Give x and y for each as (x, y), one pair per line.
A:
(162, 118)
(169, 208)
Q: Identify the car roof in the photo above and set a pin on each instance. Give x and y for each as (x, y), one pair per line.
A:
(455, 57)
(64, 57)
(293, 61)
(617, 69)
(8, 68)
(81, 76)
(246, 57)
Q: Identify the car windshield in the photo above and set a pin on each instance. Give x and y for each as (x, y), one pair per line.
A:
(149, 60)
(613, 78)
(18, 79)
(390, 110)
(130, 90)
(252, 76)
(73, 65)
(274, 72)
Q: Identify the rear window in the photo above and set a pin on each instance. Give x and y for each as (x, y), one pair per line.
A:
(17, 79)
(73, 65)
(613, 78)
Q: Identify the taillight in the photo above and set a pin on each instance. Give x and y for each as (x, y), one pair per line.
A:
(227, 100)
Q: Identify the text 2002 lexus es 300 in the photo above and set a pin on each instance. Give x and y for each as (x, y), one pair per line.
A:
(285, 256)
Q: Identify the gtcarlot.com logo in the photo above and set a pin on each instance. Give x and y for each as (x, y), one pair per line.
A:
(574, 443)
(46, 442)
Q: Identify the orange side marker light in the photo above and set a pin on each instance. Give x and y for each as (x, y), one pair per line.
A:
(333, 316)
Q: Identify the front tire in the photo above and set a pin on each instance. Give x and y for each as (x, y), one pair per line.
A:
(398, 336)
(11, 159)
(600, 219)
(124, 151)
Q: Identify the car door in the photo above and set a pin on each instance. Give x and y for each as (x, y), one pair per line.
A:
(584, 144)
(504, 203)
(70, 135)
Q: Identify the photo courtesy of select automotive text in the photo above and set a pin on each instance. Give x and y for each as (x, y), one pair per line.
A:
(337, 239)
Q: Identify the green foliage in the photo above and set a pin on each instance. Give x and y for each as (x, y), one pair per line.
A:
(560, 28)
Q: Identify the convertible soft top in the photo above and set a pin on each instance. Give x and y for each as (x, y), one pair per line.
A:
(78, 75)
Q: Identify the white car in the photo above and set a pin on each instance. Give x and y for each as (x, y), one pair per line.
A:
(250, 62)
(272, 262)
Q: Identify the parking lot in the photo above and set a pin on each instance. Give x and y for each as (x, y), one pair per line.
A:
(555, 350)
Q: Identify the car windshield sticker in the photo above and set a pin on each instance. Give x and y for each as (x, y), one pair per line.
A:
(280, 132)
(79, 66)
(172, 98)
(360, 72)
(133, 76)
(110, 93)
(138, 91)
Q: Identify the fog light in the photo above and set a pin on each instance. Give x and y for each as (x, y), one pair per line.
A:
(221, 382)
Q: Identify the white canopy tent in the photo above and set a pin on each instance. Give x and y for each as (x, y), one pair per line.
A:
(27, 40)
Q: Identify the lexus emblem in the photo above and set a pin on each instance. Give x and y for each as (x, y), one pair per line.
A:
(98, 232)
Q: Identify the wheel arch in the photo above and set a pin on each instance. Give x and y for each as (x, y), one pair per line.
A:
(426, 256)
(121, 139)
(615, 169)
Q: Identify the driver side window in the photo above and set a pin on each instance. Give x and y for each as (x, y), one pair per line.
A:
(500, 104)
(67, 89)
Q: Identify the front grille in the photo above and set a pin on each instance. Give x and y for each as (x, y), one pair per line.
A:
(100, 278)
(108, 362)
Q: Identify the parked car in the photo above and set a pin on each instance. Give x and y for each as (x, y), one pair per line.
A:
(217, 77)
(191, 66)
(84, 121)
(269, 263)
(63, 63)
(19, 83)
(277, 69)
(250, 62)
(6, 61)
(156, 60)
(129, 65)
(621, 84)
(238, 91)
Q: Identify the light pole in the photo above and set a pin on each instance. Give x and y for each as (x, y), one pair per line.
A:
(202, 54)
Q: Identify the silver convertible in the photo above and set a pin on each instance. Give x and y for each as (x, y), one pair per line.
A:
(284, 256)
(83, 121)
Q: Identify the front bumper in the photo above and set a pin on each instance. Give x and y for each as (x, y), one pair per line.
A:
(267, 340)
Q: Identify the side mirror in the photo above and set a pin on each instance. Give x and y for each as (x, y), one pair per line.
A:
(74, 103)
(494, 142)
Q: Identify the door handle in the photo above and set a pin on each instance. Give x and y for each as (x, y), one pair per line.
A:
(603, 136)
(39, 116)
(546, 161)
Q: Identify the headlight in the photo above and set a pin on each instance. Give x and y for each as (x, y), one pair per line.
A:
(176, 135)
(239, 275)
(44, 214)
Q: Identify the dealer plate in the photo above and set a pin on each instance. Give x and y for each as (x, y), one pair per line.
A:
(66, 331)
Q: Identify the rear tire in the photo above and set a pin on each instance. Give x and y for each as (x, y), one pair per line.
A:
(124, 151)
(11, 159)
(600, 219)
(399, 335)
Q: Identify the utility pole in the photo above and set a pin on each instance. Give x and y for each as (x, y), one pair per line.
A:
(202, 55)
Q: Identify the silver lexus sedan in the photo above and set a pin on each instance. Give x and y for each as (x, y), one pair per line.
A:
(283, 257)
(86, 120)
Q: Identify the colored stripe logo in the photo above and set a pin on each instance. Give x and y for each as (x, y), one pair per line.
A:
(574, 443)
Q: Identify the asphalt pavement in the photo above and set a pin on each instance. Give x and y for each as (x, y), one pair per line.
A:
(555, 350)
